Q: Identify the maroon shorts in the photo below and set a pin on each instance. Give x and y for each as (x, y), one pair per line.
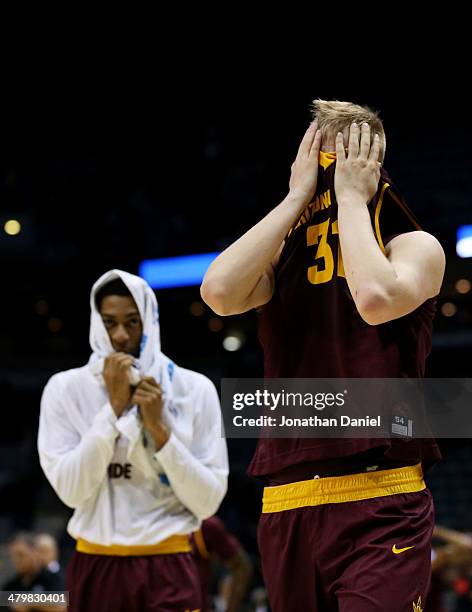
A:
(369, 555)
(151, 583)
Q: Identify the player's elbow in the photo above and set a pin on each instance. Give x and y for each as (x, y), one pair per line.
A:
(58, 481)
(211, 502)
(216, 295)
(67, 489)
(205, 510)
(373, 305)
(67, 496)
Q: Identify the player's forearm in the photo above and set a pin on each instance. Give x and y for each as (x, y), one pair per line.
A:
(77, 473)
(452, 536)
(235, 272)
(199, 487)
(370, 276)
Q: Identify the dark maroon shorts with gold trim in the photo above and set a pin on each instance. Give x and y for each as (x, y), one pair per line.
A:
(150, 583)
(368, 555)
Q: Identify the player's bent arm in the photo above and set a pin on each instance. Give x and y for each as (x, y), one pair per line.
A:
(386, 286)
(235, 281)
(199, 475)
(418, 264)
(260, 295)
(452, 536)
(74, 465)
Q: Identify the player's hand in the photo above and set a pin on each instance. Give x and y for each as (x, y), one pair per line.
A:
(356, 176)
(304, 174)
(148, 396)
(115, 374)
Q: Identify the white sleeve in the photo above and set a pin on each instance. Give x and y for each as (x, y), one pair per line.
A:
(199, 475)
(75, 465)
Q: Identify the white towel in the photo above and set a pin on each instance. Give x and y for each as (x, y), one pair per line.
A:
(151, 361)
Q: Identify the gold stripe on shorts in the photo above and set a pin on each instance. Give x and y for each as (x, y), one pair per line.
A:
(340, 489)
(173, 544)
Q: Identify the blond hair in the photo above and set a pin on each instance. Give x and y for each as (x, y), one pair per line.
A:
(334, 116)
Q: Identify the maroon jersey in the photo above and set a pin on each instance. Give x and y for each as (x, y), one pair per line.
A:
(210, 541)
(311, 327)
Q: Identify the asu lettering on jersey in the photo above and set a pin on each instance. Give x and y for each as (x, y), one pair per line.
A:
(320, 202)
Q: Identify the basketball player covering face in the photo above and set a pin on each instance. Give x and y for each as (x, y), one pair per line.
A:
(345, 283)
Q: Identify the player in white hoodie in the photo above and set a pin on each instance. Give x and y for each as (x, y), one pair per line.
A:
(134, 444)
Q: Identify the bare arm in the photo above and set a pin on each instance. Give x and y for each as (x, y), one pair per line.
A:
(451, 536)
(241, 277)
(383, 287)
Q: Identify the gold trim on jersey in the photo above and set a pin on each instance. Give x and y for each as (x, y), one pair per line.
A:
(326, 159)
(341, 489)
(173, 544)
(405, 210)
(321, 202)
(378, 208)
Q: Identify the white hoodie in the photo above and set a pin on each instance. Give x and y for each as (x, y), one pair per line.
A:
(154, 494)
